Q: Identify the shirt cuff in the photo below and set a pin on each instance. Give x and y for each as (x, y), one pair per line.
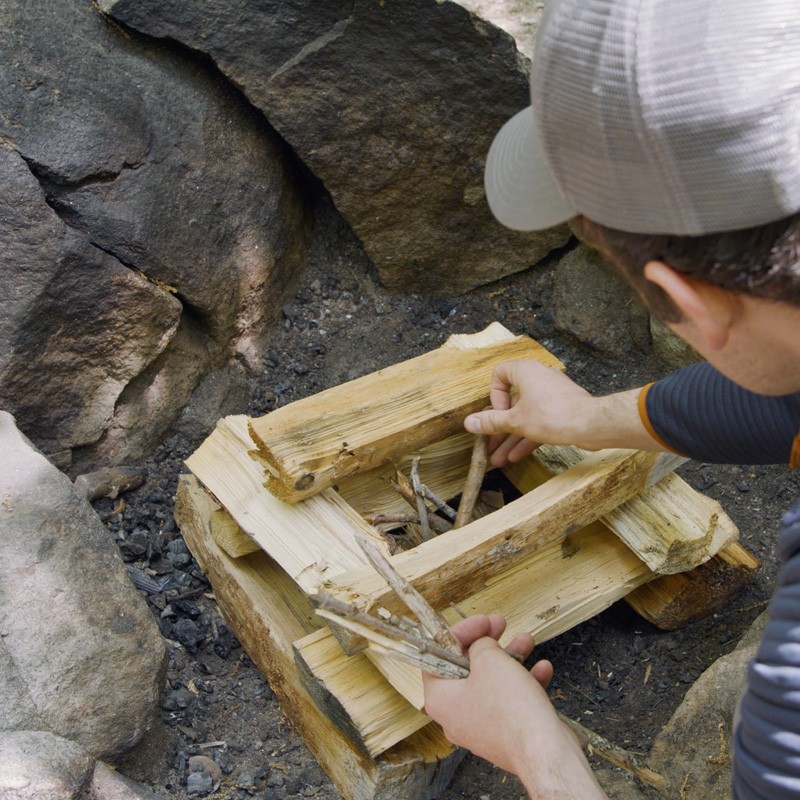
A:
(652, 431)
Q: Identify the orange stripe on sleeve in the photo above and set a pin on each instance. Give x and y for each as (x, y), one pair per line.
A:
(652, 431)
(794, 458)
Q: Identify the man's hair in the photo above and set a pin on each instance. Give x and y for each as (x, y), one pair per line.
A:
(762, 262)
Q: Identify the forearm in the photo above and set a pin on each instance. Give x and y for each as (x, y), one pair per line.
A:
(557, 769)
(610, 421)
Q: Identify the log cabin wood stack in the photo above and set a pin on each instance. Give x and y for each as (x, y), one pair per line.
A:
(274, 506)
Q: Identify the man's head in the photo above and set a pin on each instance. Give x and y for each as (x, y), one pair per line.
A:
(673, 118)
(763, 261)
(669, 130)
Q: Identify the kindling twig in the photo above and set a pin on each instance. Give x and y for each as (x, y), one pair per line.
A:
(429, 618)
(423, 652)
(401, 518)
(472, 486)
(422, 508)
(406, 491)
(449, 512)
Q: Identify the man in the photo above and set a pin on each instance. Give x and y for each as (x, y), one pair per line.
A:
(669, 132)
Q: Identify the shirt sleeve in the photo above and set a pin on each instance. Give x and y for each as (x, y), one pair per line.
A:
(700, 413)
(766, 750)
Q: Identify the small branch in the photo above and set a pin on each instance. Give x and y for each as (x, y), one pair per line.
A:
(422, 508)
(352, 618)
(401, 518)
(447, 510)
(608, 751)
(472, 486)
(439, 667)
(406, 491)
(429, 618)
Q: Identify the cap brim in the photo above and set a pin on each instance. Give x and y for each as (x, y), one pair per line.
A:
(520, 187)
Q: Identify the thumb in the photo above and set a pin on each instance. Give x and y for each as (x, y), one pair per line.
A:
(488, 422)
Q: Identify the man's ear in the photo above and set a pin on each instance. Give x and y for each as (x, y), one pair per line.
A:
(709, 309)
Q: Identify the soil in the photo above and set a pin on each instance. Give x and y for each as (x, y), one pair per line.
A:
(616, 673)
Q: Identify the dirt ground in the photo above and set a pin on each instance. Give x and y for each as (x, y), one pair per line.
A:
(616, 673)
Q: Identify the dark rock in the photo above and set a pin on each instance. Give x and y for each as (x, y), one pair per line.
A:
(220, 393)
(185, 223)
(63, 389)
(187, 632)
(597, 307)
(411, 92)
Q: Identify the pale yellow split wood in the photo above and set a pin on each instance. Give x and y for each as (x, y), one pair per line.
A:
(443, 467)
(312, 541)
(319, 440)
(268, 612)
(455, 564)
(550, 591)
(671, 527)
(230, 537)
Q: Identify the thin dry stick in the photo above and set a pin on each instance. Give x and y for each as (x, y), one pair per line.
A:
(472, 486)
(447, 510)
(406, 491)
(337, 610)
(429, 618)
(422, 508)
(401, 518)
(614, 754)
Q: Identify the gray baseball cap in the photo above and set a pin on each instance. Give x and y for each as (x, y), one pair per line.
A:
(655, 116)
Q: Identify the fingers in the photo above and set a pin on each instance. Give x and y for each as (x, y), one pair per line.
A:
(543, 672)
(521, 645)
(488, 422)
(469, 630)
(510, 449)
(502, 386)
(523, 448)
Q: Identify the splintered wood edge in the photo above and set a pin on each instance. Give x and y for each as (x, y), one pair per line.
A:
(308, 475)
(446, 568)
(421, 765)
(672, 601)
(670, 526)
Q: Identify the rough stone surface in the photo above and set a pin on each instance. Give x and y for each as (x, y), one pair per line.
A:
(693, 751)
(177, 203)
(38, 765)
(393, 105)
(75, 325)
(220, 393)
(92, 665)
(596, 306)
(108, 784)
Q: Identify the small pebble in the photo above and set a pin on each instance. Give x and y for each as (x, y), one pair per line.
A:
(204, 775)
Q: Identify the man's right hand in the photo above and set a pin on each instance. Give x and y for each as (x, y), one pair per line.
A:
(533, 404)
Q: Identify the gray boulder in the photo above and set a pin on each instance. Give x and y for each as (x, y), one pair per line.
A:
(392, 105)
(81, 652)
(693, 750)
(151, 221)
(596, 306)
(38, 765)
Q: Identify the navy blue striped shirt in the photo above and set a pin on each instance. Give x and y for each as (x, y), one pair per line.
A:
(703, 415)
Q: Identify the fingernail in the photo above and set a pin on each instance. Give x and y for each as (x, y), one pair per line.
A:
(473, 424)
